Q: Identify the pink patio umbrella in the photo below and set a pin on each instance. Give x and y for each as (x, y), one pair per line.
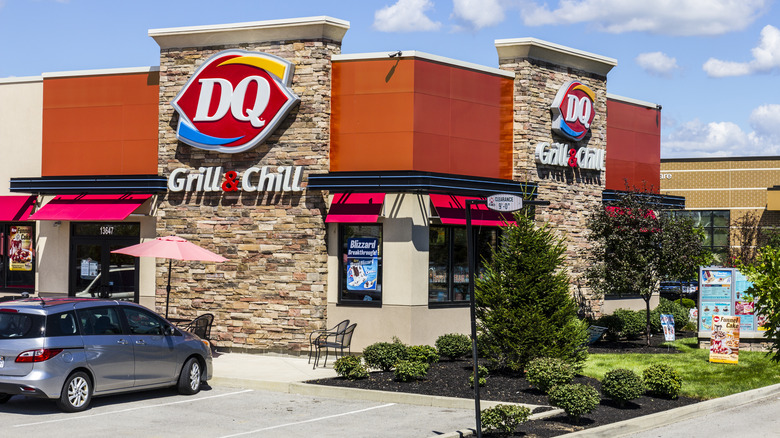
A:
(171, 247)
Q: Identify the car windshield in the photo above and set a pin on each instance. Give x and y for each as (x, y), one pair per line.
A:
(20, 325)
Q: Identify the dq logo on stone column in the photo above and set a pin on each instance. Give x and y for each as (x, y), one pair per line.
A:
(234, 101)
(573, 110)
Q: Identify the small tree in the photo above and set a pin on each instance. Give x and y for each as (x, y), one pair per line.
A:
(523, 303)
(765, 292)
(635, 248)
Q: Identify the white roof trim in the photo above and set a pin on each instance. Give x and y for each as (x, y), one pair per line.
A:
(320, 27)
(101, 72)
(554, 53)
(423, 55)
(21, 79)
(633, 101)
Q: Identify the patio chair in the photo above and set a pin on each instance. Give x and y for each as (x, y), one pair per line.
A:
(339, 343)
(316, 334)
(201, 326)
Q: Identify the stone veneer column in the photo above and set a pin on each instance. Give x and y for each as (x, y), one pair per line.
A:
(541, 68)
(271, 292)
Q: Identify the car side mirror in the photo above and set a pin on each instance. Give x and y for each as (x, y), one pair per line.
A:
(169, 330)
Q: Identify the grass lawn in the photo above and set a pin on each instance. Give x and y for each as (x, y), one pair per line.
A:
(701, 379)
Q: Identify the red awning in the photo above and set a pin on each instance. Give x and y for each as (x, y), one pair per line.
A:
(355, 207)
(452, 211)
(16, 208)
(89, 207)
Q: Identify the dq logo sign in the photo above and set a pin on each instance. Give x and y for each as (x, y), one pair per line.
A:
(234, 101)
(573, 110)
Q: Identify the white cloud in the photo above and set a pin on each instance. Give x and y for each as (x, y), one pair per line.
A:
(657, 63)
(405, 16)
(766, 58)
(478, 13)
(666, 17)
(726, 139)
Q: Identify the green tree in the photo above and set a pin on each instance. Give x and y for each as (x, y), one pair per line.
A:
(634, 248)
(523, 305)
(765, 292)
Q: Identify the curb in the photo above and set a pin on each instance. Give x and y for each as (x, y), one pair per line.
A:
(664, 418)
(472, 432)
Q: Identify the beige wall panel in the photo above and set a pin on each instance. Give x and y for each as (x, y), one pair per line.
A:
(21, 122)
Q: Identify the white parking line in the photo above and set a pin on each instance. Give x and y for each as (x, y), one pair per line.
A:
(307, 421)
(91, 414)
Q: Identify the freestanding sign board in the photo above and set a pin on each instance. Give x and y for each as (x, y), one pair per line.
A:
(724, 341)
(722, 293)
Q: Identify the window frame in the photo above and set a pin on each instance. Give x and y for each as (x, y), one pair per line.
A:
(342, 260)
(450, 275)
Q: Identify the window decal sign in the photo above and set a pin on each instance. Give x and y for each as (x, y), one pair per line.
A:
(572, 110)
(20, 249)
(363, 265)
(234, 101)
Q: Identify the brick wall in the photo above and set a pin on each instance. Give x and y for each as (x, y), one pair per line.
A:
(271, 292)
(572, 193)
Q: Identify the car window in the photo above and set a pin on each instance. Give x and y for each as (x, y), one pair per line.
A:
(142, 322)
(61, 324)
(21, 325)
(100, 321)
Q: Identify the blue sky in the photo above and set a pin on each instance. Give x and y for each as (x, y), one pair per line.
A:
(713, 65)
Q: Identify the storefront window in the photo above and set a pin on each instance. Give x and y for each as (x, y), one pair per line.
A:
(360, 281)
(18, 261)
(448, 265)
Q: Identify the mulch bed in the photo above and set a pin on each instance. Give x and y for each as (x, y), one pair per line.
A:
(450, 379)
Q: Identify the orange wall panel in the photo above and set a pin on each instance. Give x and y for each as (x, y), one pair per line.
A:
(100, 125)
(633, 146)
(447, 118)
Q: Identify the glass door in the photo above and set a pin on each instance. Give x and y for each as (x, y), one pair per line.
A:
(95, 271)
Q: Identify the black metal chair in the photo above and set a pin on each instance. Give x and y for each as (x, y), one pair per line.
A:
(316, 334)
(201, 326)
(339, 343)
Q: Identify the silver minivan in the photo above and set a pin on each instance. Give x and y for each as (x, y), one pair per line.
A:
(71, 349)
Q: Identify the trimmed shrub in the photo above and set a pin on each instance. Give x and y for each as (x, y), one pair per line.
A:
(662, 380)
(422, 353)
(576, 399)
(483, 373)
(384, 355)
(687, 303)
(504, 419)
(673, 308)
(350, 367)
(546, 372)
(453, 345)
(622, 385)
(407, 370)
(632, 323)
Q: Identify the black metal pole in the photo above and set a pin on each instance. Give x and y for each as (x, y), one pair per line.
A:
(472, 268)
(168, 289)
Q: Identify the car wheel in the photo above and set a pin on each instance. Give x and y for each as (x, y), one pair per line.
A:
(189, 379)
(76, 393)
(5, 397)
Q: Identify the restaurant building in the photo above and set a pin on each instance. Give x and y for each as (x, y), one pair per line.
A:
(335, 184)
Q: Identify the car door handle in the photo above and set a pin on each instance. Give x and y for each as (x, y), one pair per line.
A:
(122, 341)
(140, 342)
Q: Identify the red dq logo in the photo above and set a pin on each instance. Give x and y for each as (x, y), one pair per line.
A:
(573, 110)
(234, 101)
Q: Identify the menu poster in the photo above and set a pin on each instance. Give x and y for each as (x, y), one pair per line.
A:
(710, 310)
(667, 323)
(363, 264)
(20, 250)
(724, 340)
(715, 284)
